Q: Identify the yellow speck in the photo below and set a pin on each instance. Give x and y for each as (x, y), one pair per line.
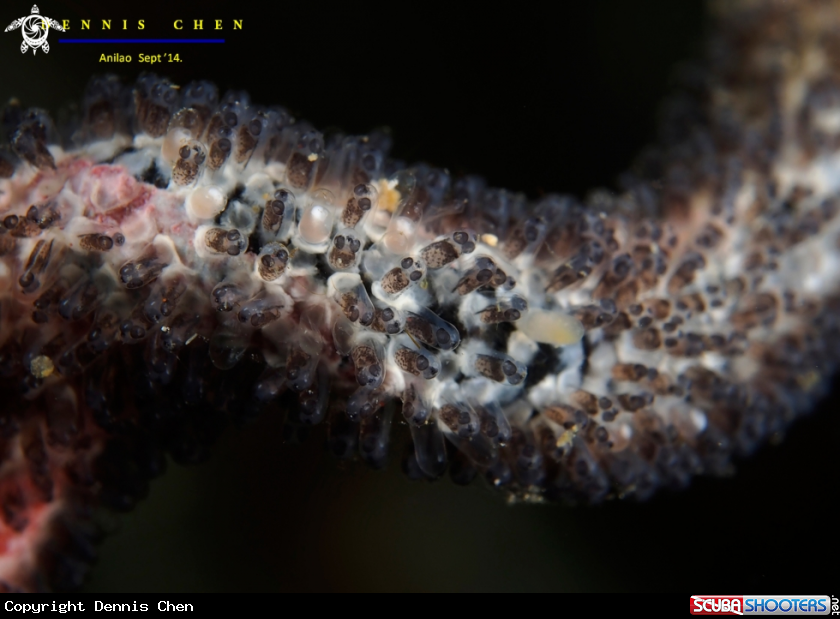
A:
(389, 196)
(808, 380)
(551, 327)
(313, 157)
(490, 239)
(41, 366)
(567, 437)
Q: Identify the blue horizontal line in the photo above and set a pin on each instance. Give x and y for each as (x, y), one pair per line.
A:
(141, 40)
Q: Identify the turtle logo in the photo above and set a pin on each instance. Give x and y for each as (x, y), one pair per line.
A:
(35, 29)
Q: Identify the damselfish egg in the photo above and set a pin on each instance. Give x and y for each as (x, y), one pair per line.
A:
(316, 222)
(172, 143)
(205, 202)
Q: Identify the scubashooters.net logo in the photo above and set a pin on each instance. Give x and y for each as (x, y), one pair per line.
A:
(35, 29)
(798, 605)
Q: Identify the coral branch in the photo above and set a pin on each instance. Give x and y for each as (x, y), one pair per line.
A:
(190, 259)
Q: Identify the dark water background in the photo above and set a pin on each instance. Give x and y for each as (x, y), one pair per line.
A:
(537, 101)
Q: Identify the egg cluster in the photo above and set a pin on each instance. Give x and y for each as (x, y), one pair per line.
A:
(183, 259)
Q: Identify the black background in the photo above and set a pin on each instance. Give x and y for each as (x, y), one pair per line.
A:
(537, 101)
